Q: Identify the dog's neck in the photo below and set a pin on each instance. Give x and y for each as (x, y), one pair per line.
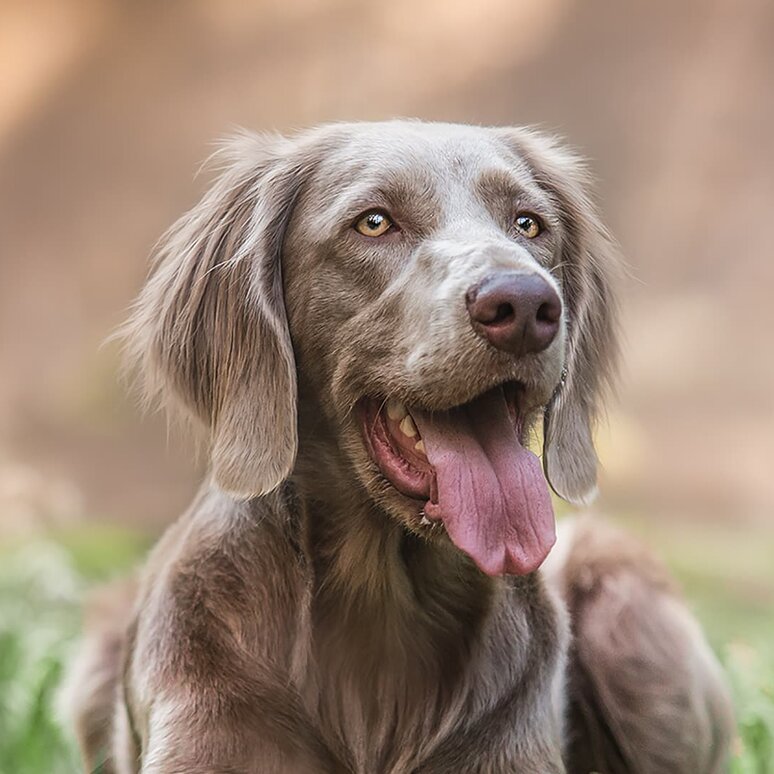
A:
(386, 593)
(370, 570)
(388, 607)
(368, 559)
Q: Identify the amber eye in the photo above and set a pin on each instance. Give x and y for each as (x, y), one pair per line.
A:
(527, 225)
(373, 224)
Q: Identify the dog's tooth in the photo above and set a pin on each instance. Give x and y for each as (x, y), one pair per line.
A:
(420, 447)
(407, 427)
(424, 521)
(396, 410)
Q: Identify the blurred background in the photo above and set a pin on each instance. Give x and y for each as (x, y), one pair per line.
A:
(108, 108)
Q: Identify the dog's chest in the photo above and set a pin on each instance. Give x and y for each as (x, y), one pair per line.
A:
(389, 713)
(387, 694)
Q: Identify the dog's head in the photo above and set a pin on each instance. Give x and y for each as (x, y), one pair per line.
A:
(429, 290)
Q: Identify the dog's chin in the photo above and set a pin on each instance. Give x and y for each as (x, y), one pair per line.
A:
(464, 473)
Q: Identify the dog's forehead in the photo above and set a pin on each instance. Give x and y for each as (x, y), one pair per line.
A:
(433, 152)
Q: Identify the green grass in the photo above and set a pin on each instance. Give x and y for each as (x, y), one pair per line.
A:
(752, 680)
(726, 574)
(39, 592)
(41, 585)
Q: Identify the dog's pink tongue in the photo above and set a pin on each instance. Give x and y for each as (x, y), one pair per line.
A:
(491, 494)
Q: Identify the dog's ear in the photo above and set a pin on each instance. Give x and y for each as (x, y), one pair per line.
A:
(587, 269)
(209, 330)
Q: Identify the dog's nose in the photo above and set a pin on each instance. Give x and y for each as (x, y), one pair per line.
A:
(515, 312)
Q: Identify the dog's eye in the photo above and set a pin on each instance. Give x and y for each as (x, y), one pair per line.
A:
(373, 224)
(527, 225)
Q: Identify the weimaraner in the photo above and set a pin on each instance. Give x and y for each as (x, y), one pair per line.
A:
(368, 321)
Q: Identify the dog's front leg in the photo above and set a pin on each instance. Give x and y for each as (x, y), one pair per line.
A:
(226, 737)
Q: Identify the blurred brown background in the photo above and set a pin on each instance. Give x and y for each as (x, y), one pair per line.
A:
(107, 109)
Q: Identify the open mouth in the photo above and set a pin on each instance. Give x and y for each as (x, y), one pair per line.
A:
(466, 468)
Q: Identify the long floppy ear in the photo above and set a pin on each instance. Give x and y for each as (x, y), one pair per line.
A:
(209, 330)
(587, 267)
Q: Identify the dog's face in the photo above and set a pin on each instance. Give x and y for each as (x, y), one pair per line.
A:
(432, 289)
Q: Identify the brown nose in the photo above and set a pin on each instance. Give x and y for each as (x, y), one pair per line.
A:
(517, 313)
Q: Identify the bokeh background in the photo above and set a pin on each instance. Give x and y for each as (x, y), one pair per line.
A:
(108, 108)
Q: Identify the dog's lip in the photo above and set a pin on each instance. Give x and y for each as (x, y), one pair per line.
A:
(405, 469)
(515, 392)
(415, 400)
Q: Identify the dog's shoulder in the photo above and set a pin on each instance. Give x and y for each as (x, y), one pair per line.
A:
(220, 592)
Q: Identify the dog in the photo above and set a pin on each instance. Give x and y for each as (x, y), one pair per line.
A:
(368, 321)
